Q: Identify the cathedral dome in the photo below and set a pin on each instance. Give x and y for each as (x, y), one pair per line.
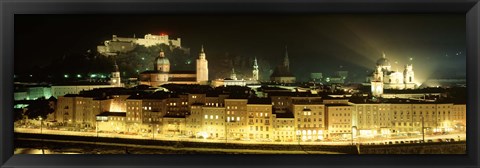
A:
(162, 61)
(383, 61)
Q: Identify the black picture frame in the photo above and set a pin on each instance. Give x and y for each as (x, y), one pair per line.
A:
(471, 9)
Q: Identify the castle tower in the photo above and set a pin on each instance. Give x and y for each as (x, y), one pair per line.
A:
(162, 64)
(255, 70)
(115, 79)
(286, 62)
(202, 67)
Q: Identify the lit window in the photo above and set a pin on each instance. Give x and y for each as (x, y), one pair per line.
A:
(206, 116)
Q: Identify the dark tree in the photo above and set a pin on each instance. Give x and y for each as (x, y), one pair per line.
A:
(38, 108)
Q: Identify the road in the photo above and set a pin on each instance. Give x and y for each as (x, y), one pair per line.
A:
(161, 137)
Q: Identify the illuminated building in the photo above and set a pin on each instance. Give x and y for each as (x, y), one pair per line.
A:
(126, 44)
(162, 74)
(339, 121)
(459, 117)
(371, 119)
(134, 114)
(284, 127)
(282, 73)
(111, 122)
(384, 78)
(115, 80)
(202, 68)
(75, 110)
(255, 71)
(76, 88)
(309, 121)
(171, 126)
(31, 92)
(236, 118)
(213, 122)
(260, 121)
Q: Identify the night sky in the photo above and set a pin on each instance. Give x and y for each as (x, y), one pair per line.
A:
(316, 43)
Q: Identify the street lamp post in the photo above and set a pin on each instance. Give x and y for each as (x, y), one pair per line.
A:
(41, 124)
(96, 127)
(423, 130)
(353, 128)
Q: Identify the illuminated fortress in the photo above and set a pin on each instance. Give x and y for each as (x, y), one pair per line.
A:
(126, 44)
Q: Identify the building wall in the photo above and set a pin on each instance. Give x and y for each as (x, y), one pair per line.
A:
(213, 123)
(339, 122)
(134, 110)
(309, 121)
(202, 70)
(236, 118)
(194, 121)
(284, 129)
(284, 79)
(114, 124)
(173, 126)
(74, 89)
(260, 122)
(371, 119)
(65, 109)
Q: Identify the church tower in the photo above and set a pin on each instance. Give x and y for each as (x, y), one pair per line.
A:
(202, 67)
(115, 79)
(377, 82)
(286, 62)
(233, 76)
(409, 75)
(255, 70)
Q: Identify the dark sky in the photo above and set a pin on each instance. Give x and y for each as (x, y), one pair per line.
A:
(316, 43)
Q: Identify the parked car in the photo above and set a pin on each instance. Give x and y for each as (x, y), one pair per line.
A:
(429, 141)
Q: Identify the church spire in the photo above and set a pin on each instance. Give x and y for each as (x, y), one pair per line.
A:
(255, 69)
(383, 54)
(233, 76)
(286, 62)
(115, 66)
(202, 54)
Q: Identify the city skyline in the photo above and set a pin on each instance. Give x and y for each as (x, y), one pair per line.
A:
(354, 42)
(334, 84)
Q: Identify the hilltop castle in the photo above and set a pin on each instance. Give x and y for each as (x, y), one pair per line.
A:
(126, 44)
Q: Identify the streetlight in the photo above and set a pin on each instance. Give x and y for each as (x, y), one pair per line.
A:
(41, 124)
(423, 130)
(354, 128)
(96, 127)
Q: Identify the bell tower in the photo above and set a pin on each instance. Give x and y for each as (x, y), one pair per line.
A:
(255, 70)
(202, 67)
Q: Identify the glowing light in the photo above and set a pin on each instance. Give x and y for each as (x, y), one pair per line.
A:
(65, 76)
(79, 76)
(93, 75)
